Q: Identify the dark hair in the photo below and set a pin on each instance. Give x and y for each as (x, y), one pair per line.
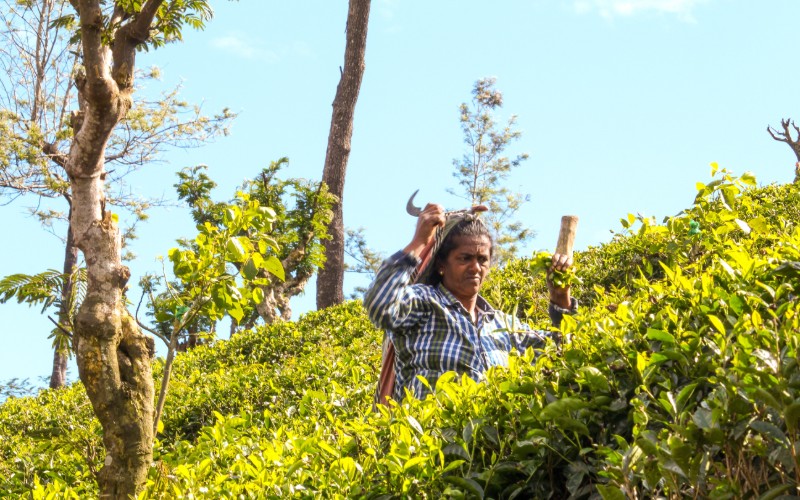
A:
(471, 226)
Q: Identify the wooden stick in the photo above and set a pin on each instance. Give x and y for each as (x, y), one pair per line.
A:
(566, 236)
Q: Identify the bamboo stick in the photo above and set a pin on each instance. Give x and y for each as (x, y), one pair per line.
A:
(566, 236)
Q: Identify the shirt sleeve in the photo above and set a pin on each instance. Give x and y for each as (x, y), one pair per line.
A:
(557, 313)
(521, 340)
(392, 302)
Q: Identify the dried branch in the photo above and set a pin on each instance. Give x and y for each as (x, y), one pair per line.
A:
(786, 135)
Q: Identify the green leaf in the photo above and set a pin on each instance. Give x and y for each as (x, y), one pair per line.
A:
(523, 449)
(770, 430)
(791, 415)
(748, 178)
(760, 225)
(273, 266)
(561, 407)
(571, 424)
(703, 419)
(268, 212)
(641, 362)
(660, 335)
(411, 462)
(258, 295)
(235, 250)
(594, 378)
(271, 243)
(230, 215)
(236, 312)
(328, 448)
(453, 465)
(250, 270)
(684, 395)
(764, 396)
(736, 303)
(174, 254)
(716, 323)
(258, 260)
(455, 449)
(610, 492)
(469, 485)
(776, 492)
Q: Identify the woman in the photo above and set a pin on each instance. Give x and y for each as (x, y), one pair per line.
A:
(442, 323)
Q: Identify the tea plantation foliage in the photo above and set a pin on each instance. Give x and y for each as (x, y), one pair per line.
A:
(678, 378)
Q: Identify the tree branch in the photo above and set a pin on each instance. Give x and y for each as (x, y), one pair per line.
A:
(145, 327)
(154, 332)
(786, 136)
(94, 54)
(60, 327)
(141, 24)
(54, 154)
(769, 129)
(127, 38)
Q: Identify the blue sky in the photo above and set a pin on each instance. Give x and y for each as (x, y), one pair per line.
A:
(622, 104)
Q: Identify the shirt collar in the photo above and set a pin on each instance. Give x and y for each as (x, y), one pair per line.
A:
(483, 307)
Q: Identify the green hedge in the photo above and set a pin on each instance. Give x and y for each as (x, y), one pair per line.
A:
(678, 378)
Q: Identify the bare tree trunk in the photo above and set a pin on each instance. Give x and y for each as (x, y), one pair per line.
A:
(330, 280)
(58, 378)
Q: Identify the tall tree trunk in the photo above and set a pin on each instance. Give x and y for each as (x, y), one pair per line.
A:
(330, 280)
(58, 378)
(113, 355)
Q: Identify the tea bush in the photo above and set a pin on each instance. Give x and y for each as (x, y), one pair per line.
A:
(52, 439)
(678, 378)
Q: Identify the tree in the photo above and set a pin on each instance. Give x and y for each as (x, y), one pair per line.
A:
(250, 257)
(113, 355)
(483, 167)
(330, 280)
(40, 58)
(786, 136)
(302, 215)
(210, 272)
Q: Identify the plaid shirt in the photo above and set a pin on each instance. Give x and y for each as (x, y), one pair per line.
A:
(433, 333)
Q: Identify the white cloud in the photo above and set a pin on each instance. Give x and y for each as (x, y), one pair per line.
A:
(243, 47)
(612, 8)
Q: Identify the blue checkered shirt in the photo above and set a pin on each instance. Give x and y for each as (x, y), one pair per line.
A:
(433, 333)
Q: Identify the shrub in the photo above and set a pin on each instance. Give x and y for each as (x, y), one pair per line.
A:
(678, 378)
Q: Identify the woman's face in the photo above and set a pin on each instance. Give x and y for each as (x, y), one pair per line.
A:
(467, 266)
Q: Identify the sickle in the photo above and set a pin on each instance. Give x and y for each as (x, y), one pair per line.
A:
(410, 208)
(415, 211)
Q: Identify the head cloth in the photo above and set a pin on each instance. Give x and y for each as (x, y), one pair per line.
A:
(427, 257)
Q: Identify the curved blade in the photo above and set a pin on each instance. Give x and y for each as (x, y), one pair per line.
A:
(410, 208)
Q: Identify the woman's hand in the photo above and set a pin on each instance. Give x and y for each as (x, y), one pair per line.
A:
(559, 296)
(431, 218)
